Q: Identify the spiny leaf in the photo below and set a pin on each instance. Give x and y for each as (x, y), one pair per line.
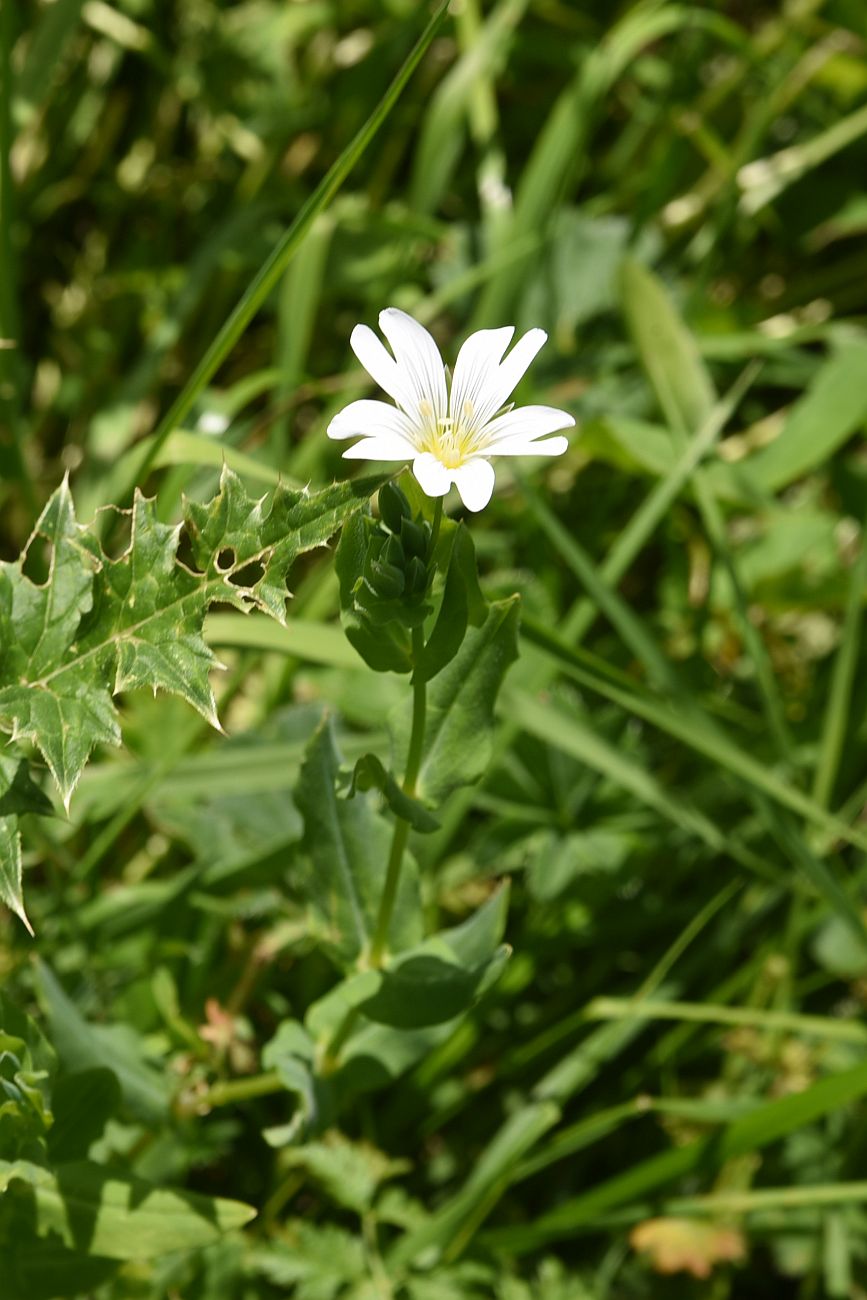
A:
(234, 537)
(10, 869)
(99, 625)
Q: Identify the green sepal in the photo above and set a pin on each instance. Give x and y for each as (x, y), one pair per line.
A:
(394, 508)
(386, 647)
(415, 538)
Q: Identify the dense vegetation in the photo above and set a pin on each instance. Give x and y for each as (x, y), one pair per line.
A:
(661, 1091)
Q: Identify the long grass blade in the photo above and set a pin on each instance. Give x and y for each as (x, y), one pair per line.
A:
(275, 265)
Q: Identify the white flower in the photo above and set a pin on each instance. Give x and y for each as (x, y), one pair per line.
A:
(448, 431)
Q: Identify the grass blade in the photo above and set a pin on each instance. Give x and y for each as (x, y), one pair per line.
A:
(275, 265)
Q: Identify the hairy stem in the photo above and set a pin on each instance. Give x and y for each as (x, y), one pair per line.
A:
(401, 828)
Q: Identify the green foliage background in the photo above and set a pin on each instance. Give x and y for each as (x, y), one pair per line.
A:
(677, 194)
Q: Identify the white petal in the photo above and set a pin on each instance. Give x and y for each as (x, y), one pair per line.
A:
(373, 355)
(366, 418)
(476, 370)
(512, 371)
(434, 479)
(388, 446)
(529, 447)
(418, 357)
(525, 422)
(475, 482)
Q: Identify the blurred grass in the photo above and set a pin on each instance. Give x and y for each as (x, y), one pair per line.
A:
(671, 191)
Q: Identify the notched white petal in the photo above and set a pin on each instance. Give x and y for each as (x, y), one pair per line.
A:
(531, 447)
(526, 422)
(389, 446)
(381, 367)
(475, 483)
(419, 360)
(515, 366)
(433, 477)
(367, 418)
(476, 370)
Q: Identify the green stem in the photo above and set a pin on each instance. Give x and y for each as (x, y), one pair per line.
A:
(435, 526)
(232, 1090)
(401, 827)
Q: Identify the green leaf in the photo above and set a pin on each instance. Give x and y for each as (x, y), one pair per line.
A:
(346, 845)
(442, 977)
(18, 792)
(351, 1173)
(376, 1055)
(10, 869)
(371, 773)
(82, 1104)
(324, 1256)
(460, 708)
(117, 1216)
(762, 1125)
(833, 408)
(246, 546)
(383, 581)
(462, 602)
(65, 713)
(26, 1066)
(433, 983)
(385, 647)
(82, 1046)
(668, 350)
(100, 625)
(290, 1053)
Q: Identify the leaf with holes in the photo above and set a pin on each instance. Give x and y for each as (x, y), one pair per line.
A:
(99, 625)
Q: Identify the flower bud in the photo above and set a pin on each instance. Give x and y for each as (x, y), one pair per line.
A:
(416, 577)
(387, 581)
(394, 553)
(414, 538)
(393, 506)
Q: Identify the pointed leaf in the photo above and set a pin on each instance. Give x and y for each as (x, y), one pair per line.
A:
(347, 847)
(667, 350)
(117, 1216)
(234, 536)
(99, 625)
(445, 975)
(460, 708)
(462, 602)
(10, 869)
(18, 792)
(83, 1046)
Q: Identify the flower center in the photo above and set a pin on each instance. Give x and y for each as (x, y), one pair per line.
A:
(449, 438)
